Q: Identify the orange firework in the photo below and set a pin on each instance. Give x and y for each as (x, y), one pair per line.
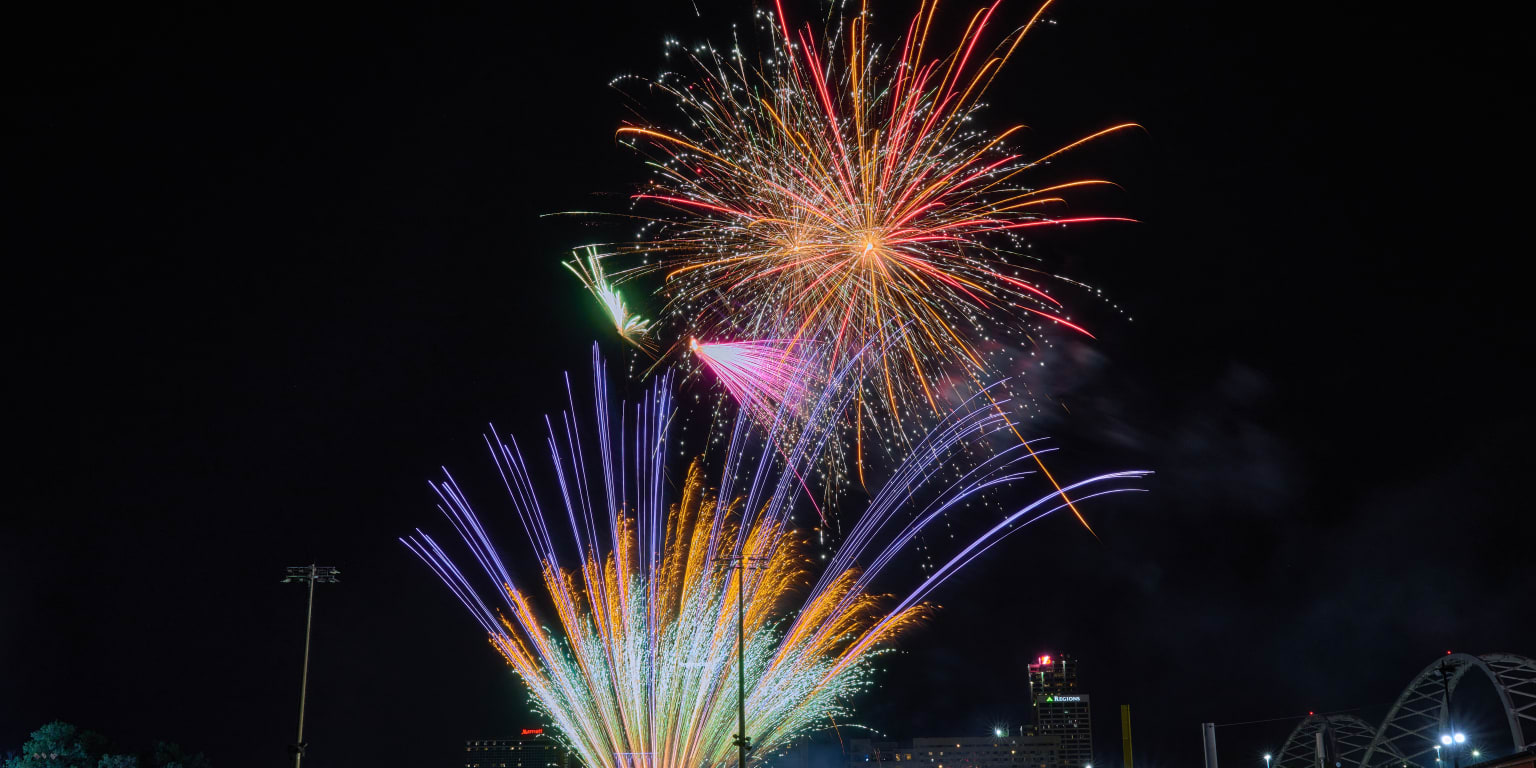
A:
(842, 195)
(834, 194)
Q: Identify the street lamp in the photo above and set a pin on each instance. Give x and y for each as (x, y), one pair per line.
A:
(1267, 756)
(1454, 740)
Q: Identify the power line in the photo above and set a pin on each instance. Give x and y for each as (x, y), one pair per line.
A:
(1291, 717)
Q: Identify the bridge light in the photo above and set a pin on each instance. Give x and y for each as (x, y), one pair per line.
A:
(1446, 739)
(1461, 738)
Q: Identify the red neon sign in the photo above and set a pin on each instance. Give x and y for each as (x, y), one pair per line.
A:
(533, 731)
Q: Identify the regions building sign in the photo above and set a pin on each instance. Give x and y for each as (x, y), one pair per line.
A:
(1053, 699)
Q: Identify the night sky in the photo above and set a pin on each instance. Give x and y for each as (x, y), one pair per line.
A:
(277, 264)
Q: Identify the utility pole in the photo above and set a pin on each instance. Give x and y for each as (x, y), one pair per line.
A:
(740, 564)
(311, 573)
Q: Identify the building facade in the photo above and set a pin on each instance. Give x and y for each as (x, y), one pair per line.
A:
(1060, 709)
(958, 752)
(531, 749)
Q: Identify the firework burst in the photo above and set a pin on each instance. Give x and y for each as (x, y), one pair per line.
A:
(842, 194)
(639, 669)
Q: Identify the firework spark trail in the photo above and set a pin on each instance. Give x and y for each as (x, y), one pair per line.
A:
(758, 373)
(639, 668)
(587, 265)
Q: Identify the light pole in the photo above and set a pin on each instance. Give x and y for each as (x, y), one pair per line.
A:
(1267, 756)
(311, 573)
(1450, 719)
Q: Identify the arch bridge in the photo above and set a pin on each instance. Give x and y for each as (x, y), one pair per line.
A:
(1408, 736)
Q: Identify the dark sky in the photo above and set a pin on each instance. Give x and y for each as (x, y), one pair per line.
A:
(278, 263)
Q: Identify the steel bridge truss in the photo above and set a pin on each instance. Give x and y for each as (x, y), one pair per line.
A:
(1348, 737)
(1408, 736)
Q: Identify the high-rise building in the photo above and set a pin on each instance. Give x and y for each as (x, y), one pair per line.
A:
(531, 749)
(1061, 709)
(1053, 674)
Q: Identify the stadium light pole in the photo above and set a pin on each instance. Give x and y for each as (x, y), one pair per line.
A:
(1450, 719)
(311, 573)
(741, 563)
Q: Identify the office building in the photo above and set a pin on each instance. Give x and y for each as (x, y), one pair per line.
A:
(1061, 709)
